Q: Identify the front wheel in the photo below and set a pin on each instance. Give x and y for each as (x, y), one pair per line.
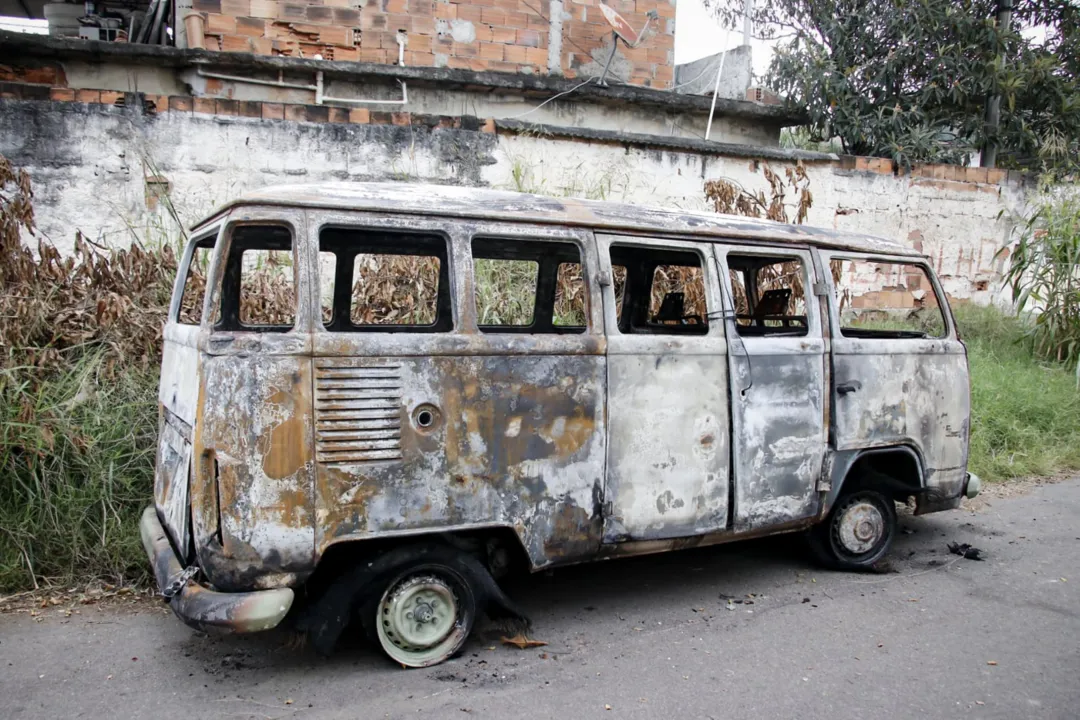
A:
(425, 615)
(857, 533)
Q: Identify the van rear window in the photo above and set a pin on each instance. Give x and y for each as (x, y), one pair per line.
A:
(194, 290)
(258, 290)
(378, 281)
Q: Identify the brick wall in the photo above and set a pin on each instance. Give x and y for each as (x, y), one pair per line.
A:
(496, 35)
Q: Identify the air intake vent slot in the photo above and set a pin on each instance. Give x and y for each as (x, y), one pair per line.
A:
(357, 413)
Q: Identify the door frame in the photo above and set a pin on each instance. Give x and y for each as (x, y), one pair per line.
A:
(714, 516)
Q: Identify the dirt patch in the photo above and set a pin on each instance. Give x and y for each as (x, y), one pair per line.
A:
(1005, 489)
(65, 602)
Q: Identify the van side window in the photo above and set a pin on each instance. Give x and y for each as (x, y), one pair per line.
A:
(528, 286)
(194, 290)
(662, 291)
(886, 300)
(258, 291)
(380, 281)
(769, 294)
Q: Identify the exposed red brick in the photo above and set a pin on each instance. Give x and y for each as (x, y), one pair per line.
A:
(204, 105)
(491, 51)
(347, 16)
(472, 13)
(294, 113)
(180, 103)
(266, 9)
(217, 24)
(339, 115)
(87, 96)
(359, 115)
(528, 38)
(255, 27)
(536, 56)
(489, 126)
(248, 108)
(401, 118)
(501, 35)
(235, 43)
(236, 8)
(273, 111)
(62, 94)
(160, 102)
(41, 75)
(225, 107)
(975, 174)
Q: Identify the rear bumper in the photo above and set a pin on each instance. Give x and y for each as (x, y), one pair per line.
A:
(934, 500)
(202, 608)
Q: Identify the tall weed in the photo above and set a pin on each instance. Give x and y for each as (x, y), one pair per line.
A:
(1044, 274)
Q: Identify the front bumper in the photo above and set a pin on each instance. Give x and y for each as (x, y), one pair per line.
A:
(972, 486)
(201, 607)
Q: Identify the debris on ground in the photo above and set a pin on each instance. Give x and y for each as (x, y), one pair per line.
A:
(522, 642)
(966, 551)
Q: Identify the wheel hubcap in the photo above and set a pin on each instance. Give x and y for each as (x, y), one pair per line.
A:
(861, 527)
(417, 617)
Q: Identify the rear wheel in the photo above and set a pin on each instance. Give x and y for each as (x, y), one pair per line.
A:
(425, 614)
(857, 532)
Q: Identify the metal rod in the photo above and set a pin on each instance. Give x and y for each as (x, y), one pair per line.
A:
(614, 47)
(715, 92)
(254, 81)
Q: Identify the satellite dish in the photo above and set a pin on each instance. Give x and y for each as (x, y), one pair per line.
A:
(624, 31)
(618, 23)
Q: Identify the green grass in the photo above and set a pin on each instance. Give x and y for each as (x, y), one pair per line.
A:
(1025, 413)
(76, 468)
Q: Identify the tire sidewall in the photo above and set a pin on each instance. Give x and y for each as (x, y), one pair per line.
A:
(835, 554)
(465, 598)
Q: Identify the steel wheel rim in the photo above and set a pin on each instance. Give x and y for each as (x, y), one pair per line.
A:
(859, 528)
(419, 621)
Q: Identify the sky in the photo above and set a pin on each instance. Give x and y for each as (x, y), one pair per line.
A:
(698, 34)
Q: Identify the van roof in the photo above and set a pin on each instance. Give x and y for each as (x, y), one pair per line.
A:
(482, 203)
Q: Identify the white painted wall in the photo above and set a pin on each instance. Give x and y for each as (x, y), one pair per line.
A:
(89, 168)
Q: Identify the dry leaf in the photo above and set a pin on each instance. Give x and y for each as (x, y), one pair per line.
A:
(522, 642)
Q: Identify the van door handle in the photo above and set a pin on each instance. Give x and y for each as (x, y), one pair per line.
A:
(848, 387)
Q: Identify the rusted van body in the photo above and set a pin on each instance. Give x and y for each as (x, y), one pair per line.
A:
(671, 379)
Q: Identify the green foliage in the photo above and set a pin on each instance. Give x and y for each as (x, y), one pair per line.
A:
(75, 478)
(909, 79)
(1044, 274)
(1025, 415)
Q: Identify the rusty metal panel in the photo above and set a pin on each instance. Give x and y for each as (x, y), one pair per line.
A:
(256, 424)
(668, 454)
(779, 434)
(517, 437)
(911, 391)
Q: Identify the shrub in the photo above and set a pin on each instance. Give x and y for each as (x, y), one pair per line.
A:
(1044, 274)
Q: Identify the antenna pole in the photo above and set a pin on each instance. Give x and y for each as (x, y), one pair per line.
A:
(716, 91)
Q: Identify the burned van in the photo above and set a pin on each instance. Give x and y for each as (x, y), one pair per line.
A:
(377, 398)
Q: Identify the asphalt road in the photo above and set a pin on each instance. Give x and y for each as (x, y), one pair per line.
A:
(650, 637)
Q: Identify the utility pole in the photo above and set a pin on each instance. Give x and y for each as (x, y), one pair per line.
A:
(988, 156)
